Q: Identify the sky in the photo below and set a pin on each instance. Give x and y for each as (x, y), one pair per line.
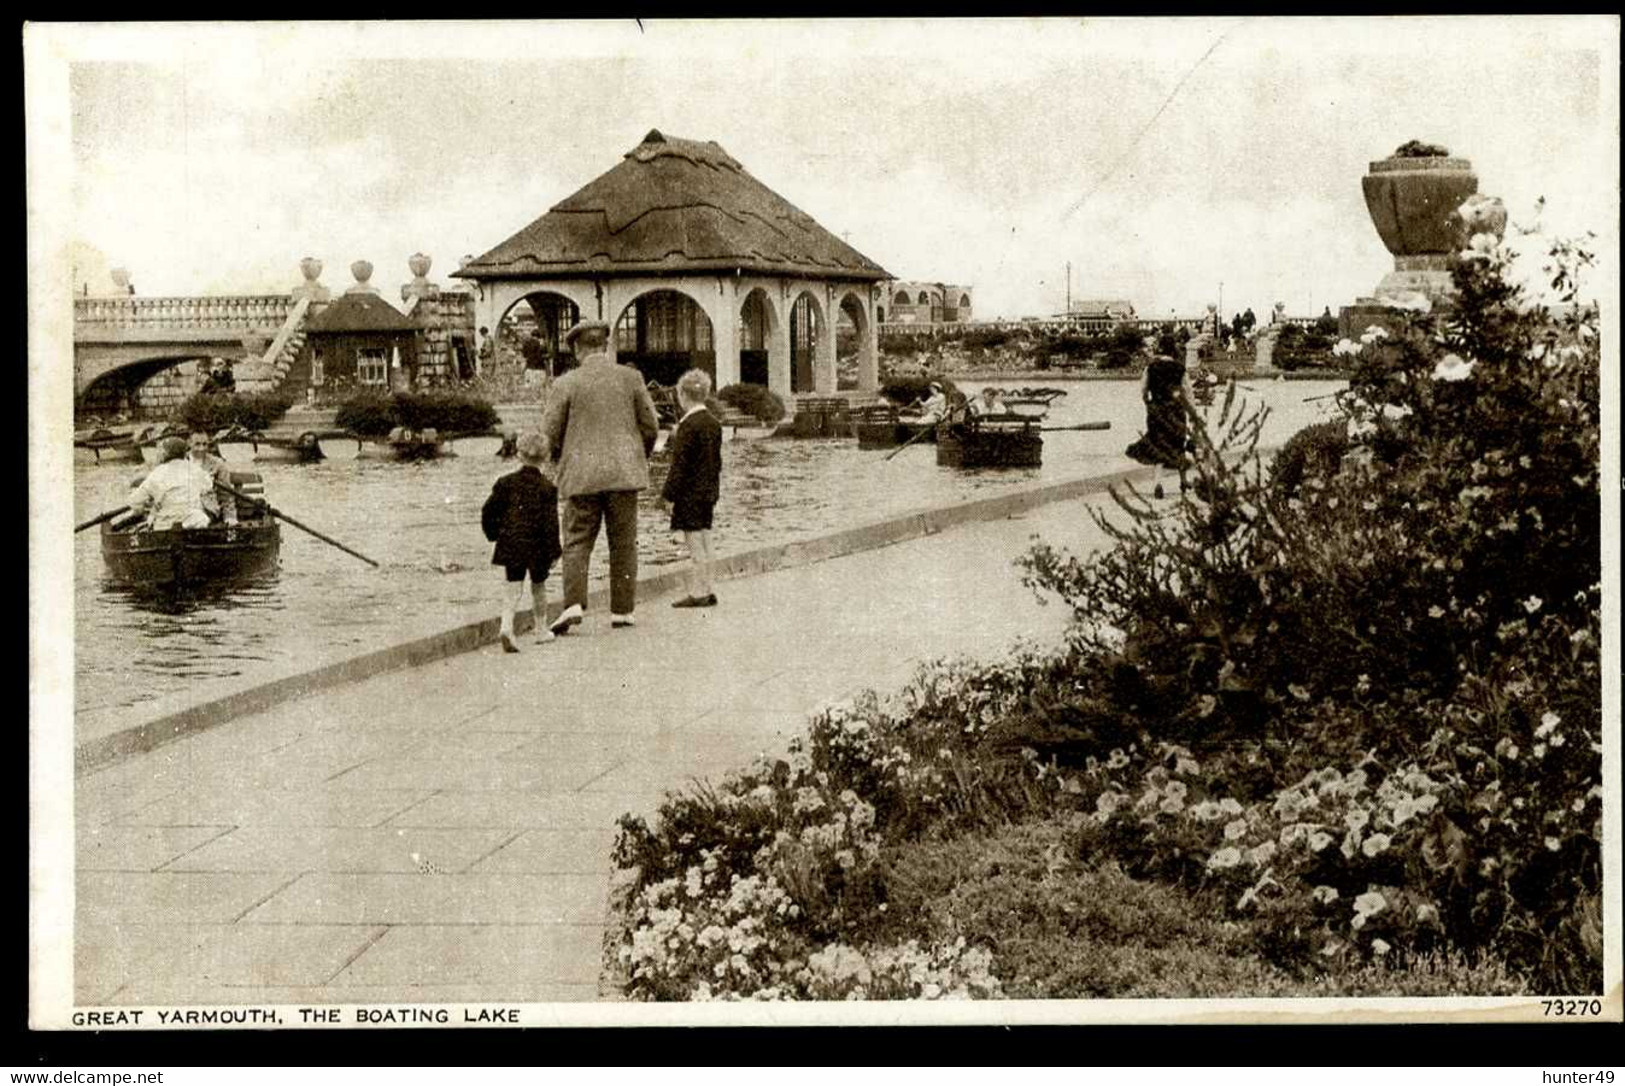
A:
(1175, 163)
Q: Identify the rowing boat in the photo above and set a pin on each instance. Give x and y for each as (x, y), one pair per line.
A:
(984, 442)
(186, 557)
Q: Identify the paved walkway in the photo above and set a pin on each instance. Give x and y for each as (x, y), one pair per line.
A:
(443, 833)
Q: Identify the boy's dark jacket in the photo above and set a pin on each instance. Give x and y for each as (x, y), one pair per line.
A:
(696, 460)
(522, 518)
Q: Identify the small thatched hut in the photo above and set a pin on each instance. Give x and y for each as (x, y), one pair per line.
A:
(693, 262)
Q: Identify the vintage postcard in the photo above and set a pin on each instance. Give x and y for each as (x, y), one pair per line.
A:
(851, 521)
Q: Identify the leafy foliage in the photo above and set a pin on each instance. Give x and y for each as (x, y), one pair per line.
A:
(216, 411)
(755, 400)
(375, 414)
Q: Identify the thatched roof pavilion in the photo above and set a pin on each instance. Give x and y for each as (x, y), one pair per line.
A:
(694, 262)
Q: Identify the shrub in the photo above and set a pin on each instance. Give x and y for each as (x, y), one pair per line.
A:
(754, 400)
(1428, 601)
(904, 389)
(367, 414)
(215, 411)
(375, 414)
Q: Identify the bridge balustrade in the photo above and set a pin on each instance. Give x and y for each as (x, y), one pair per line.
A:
(218, 311)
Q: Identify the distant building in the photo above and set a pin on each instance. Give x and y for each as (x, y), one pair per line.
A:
(358, 341)
(909, 302)
(1098, 314)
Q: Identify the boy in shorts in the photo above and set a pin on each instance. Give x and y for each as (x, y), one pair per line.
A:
(693, 482)
(522, 518)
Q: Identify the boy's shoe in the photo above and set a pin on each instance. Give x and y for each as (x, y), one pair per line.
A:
(570, 616)
(710, 600)
(544, 636)
(1157, 493)
(691, 601)
(618, 621)
(508, 643)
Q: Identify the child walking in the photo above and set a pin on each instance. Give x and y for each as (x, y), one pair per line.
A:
(692, 483)
(522, 518)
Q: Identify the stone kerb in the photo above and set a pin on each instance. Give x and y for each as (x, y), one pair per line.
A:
(173, 719)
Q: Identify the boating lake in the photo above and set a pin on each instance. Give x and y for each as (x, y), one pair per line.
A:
(421, 522)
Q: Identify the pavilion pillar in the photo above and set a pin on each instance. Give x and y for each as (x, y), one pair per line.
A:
(825, 380)
(724, 314)
(778, 357)
(869, 350)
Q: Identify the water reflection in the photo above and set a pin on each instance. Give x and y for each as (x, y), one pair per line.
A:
(421, 522)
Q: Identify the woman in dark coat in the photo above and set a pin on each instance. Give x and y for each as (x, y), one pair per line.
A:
(1167, 441)
(522, 518)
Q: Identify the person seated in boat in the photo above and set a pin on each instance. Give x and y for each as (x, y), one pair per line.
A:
(933, 407)
(172, 493)
(990, 402)
(218, 500)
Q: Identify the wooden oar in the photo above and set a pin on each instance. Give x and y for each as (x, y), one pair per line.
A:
(109, 515)
(280, 515)
(946, 420)
(1080, 426)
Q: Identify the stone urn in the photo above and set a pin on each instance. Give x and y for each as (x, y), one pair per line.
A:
(419, 263)
(362, 270)
(1411, 201)
(121, 280)
(311, 269)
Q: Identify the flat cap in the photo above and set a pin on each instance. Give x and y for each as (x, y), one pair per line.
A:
(585, 328)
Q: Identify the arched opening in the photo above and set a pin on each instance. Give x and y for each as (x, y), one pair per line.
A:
(530, 335)
(146, 389)
(851, 342)
(805, 332)
(756, 323)
(663, 333)
(901, 298)
(925, 299)
(964, 301)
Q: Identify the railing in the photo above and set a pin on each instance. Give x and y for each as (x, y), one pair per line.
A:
(241, 311)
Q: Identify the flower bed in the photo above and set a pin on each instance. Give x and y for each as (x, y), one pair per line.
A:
(1338, 725)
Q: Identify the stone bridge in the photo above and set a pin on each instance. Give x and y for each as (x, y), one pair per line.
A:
(120, 343)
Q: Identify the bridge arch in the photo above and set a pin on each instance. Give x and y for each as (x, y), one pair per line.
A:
(119, 389)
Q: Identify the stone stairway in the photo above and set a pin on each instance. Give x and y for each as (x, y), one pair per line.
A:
(268, 373)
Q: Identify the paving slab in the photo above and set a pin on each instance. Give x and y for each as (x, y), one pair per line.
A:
(419, 955)
(394, 898)
(298, 849)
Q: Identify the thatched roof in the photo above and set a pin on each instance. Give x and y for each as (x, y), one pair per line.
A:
(673, 206)
(360, 313)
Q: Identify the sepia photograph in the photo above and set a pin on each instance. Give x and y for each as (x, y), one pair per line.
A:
(729, 522)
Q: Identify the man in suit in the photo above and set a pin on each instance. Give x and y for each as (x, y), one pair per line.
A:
(601, 427)
(693, 482)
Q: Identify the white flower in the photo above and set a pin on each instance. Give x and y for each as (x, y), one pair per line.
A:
(1548, 723)
(1553, 843)
(1370, 903)
(1345, 347)
(1426, 914)
(1532, 604)
(1236, 830)
(1452, 368)
(1372, 334)
(1318, 841)
(1261, 854)
(1376, 844)
(1324, 894)
(1225, 857)
(1230, 806)
(1379, 947)
(1435, 611)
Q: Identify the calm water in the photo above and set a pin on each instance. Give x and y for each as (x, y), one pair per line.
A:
(421, 521)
